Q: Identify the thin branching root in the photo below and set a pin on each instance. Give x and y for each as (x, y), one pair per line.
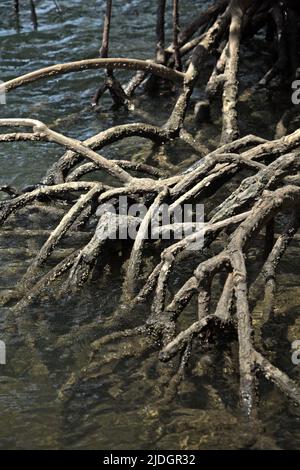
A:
(259, 178)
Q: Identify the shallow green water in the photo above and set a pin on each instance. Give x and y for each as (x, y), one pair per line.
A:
(120, 410)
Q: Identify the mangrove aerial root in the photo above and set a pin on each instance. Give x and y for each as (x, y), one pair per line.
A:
(269, 189)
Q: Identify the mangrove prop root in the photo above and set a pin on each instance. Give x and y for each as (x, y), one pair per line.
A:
(269, 188)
